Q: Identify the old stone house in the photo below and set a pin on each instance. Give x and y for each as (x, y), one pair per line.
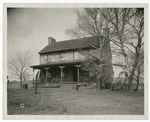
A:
(60, 62)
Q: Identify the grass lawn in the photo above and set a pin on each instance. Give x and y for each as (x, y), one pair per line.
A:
(65, 101)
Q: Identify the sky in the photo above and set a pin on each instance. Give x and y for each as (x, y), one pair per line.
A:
(29, 29)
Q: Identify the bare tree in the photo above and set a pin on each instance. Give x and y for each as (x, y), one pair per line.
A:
(137, 25)
(19, 65)
(91, 23)
(127, 27)
(126, 31)
(139, 71)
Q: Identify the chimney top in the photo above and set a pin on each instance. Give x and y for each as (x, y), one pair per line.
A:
(51, 40)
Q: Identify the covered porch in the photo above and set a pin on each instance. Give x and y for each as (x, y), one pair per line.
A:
(58, 72)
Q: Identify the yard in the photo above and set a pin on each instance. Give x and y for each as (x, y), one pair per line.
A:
(65, 101)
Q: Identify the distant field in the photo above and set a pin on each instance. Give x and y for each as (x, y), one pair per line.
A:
(65, 101)
(17, 84)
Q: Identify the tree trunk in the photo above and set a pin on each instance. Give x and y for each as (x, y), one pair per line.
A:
(137, 81)
(137, 87)
(130, 73)
(99, 79)
(130, 80)
(98, 83)
(20, 82)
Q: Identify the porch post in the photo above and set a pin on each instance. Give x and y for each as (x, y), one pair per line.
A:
(33, 75)
(61, 74)
(46, 72)
(78, 74)
(36, 84)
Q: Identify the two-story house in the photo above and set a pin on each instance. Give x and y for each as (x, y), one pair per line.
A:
(60, 62)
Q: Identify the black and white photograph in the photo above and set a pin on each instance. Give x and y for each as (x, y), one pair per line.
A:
(75, 60)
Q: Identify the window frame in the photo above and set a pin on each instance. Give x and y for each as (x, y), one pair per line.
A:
(75, 55)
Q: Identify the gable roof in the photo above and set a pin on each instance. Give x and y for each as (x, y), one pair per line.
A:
(70, 45)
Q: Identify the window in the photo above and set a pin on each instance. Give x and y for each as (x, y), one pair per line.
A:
(43, 58)
(76, 55)
(53, 57)
(66, 56)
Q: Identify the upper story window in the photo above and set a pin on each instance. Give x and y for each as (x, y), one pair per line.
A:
(66, 56)
(53, 57)
(61, 56)
(76, 55)
(43, 58)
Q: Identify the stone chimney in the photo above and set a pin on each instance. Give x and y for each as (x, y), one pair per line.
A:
(51, 40)
(106, 32)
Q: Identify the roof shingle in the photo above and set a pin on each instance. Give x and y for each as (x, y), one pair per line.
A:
(70, 45)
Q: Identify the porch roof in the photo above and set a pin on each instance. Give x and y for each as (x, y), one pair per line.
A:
(56, 64)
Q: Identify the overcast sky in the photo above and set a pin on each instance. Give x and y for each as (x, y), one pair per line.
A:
(29, 28)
